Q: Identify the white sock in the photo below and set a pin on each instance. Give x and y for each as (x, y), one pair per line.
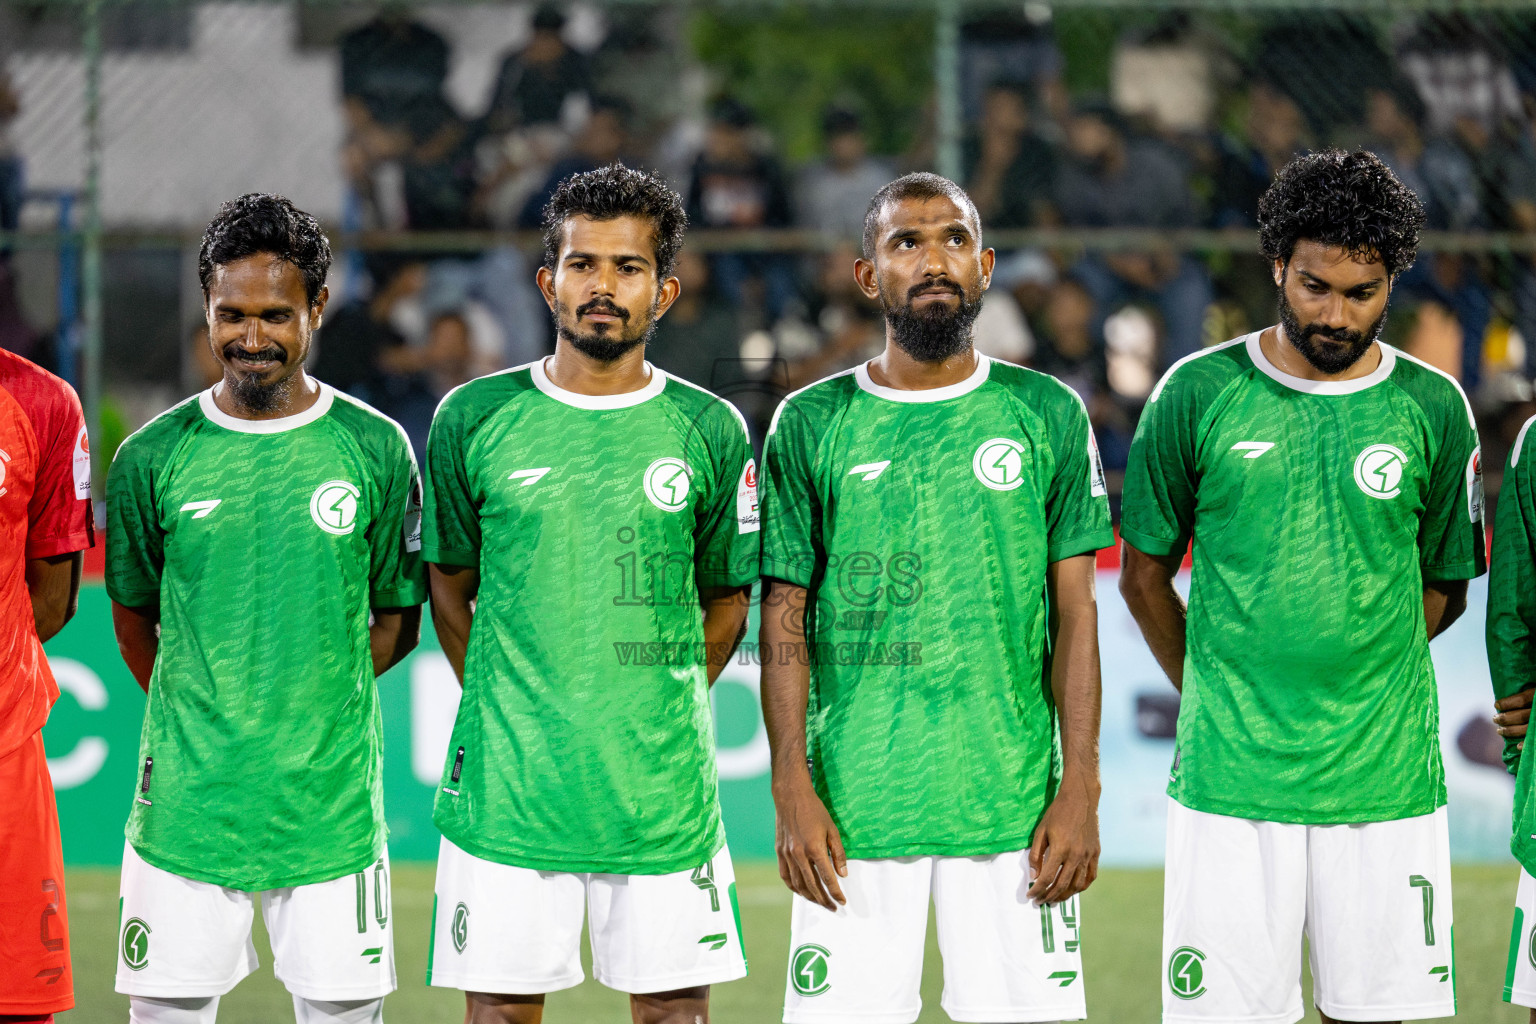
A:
(355, 1011)
(142, 1010)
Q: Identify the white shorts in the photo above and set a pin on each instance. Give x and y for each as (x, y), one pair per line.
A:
(182, 939)
(1374, 901)
(1005, 957)
(1520, 974)
(516, 931)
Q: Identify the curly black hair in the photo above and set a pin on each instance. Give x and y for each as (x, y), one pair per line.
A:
(618, 191)
(1349, 200)
(261, 222)
(919, 185)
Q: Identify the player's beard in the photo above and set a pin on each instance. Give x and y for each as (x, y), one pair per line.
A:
(598, 344)
(1327, 359)
(249, 391)
(936, 333)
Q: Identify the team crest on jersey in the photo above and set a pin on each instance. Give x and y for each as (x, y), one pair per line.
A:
(1186, 973)
(333, 507)
(4, 458)
(809, 970)
(1379, 470)
(999, 464)
(136, 944)
(460, 927)
(666, 483)
(1475, 485)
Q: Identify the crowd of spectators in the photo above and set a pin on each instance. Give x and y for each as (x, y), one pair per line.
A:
(1187, 135)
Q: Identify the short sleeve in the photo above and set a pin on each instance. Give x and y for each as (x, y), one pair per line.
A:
(727, 535)
(1511, 625)
(61, 519)
(135, 538)
(1076, 501)
(791, 506)
(450, 532)
(396, 577)
(1157, 510)
(1451, 544)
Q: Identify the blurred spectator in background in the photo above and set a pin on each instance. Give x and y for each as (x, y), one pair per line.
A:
(834, 190)
(408, 154)
(1070, 351)
(848, 329)
(1015, 47)
(1165, 76)
(1442, 177)
(544, 83)
(10, 162)
(1323, 63)
(601, 141)
(737, 183)
(201, 369)
(1110, 180)
(699, 339)
(349, 343)
(394, 69)
(638, 62)
(1274, 131)
(1434, 168)
(1009, 169)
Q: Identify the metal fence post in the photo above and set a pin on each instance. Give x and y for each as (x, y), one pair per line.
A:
(91, 261)
(946, 88)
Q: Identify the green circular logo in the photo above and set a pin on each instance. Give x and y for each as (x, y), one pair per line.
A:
(808, 970)
(136, 944)
(1186, 972)
(460, 927)
(1531, 948)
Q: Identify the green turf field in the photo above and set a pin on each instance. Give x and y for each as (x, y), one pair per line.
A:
(1120, 949)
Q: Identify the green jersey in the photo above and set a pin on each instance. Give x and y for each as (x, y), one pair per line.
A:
(1319, 510)
(921, 524)
(584, 739)
(265, 544)
(1512, 620)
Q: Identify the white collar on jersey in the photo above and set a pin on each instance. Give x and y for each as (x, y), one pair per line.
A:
(213, 412)
(1321, 387)
(651, 390)
(977, 378)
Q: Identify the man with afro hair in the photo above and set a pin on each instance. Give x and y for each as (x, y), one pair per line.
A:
(1333, 491)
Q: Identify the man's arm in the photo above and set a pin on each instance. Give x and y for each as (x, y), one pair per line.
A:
(54, 584)
(453, 590)
(725, 623)
(1146, 583)
(809, 848)
(1065, 853)
(1444, 602)
(394, 634)
(138, 639)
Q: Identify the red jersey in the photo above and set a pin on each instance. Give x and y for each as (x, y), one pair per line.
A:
(45, 510)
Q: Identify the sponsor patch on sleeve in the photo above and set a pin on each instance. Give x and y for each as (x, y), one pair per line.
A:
(1096, 486)
(747, 518)
(82, 465)
(413, 518)
(1475, 486)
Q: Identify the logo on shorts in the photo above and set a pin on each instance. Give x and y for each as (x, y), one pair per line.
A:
(999, 463)
(460, 927)
(1186, 972)
(1379, 470)
(136, 944)
(666, 484)
(333, 507)
(809, 969)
